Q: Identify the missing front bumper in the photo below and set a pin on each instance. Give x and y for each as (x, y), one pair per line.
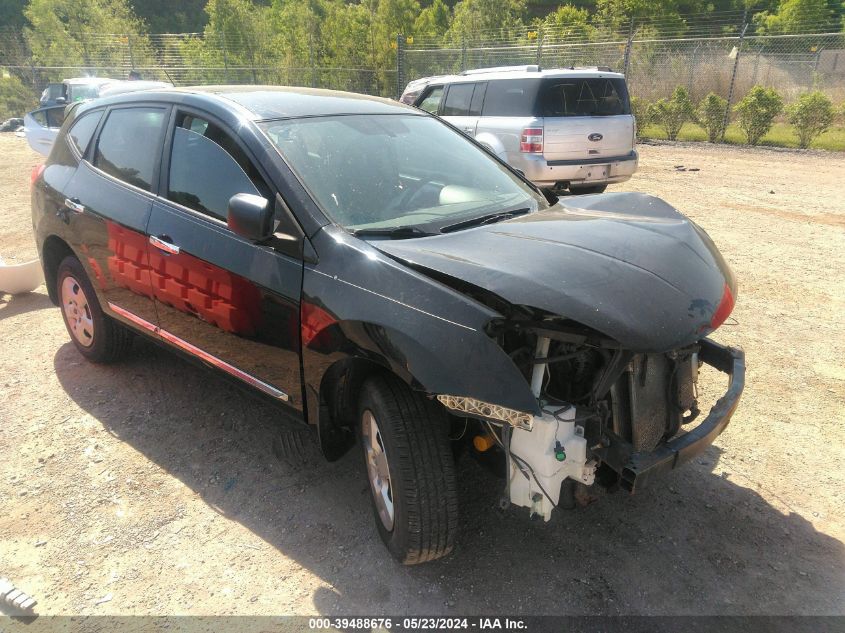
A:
(638, 468)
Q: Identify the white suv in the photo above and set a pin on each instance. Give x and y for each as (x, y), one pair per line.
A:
(563, 128)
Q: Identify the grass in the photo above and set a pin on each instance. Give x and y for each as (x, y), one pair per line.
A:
(781, 135)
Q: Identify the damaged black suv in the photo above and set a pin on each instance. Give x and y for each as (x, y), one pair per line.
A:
(381, 276)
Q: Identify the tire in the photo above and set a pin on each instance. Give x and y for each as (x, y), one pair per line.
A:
(412, 432)
(97, 337)
(582, 190)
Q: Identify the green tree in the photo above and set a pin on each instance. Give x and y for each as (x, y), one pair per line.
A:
(237, 39)
(434, 20)
(671, 114)
(795, 16)
(83, 33)
(11, 14)
(711, 115)
(476, 18)
(571, 22)
(15, 97)
(617, 14)
(757, 111)
(642, 114)
(811, 115)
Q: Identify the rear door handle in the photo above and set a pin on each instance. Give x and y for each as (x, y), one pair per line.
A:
(74, 205)
(164, 245)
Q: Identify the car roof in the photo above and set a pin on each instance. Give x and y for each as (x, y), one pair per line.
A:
(265, 102)
(521, 72)
(93, 81)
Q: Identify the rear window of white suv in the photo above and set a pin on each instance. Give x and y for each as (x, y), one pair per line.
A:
(557, 97)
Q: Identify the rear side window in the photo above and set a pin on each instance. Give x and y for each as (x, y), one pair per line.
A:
(431, 102)
(83, 129)
(207, 167)
(583, 97)
(458, 100)
(511, 97)
(128, 147)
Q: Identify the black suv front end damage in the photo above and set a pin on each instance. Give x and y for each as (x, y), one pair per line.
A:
(604, 305)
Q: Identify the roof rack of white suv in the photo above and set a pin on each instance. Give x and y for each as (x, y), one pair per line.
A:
(531, 68)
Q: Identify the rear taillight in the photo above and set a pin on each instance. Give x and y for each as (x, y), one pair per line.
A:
(531, 141)
(36, 174)
(724, 309)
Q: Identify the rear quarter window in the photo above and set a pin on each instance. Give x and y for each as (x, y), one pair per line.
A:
(82, 130)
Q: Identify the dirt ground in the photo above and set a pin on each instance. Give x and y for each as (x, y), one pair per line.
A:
(150, 487)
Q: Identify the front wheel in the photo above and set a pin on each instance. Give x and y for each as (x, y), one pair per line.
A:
(593, 189)
(411, 470)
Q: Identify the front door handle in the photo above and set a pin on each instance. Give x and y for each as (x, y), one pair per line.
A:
(164, 245)
(74, 205)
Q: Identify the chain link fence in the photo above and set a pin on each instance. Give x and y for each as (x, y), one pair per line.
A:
(654, 67)
(706, 59)
(192, 59)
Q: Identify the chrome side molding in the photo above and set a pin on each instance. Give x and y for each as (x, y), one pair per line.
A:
(199, 353)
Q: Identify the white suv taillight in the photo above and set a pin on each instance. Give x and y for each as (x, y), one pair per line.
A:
(531, 141)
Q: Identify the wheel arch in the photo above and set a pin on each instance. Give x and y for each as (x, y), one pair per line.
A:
(340, 389)
(53, 251)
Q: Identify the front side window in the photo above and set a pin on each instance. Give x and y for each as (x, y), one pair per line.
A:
(83, 128)
(458, 99)
(387, 171)
(128, 147)
(207, 168)
(431, 102)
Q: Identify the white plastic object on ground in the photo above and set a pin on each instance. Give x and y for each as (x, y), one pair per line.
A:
(19, 278)
(537, 449)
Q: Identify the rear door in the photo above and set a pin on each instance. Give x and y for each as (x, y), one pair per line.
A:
(231, 303)
(585, 118)
(457, 107)
(108, 202)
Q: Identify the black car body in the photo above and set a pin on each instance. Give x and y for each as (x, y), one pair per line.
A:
(199, 218)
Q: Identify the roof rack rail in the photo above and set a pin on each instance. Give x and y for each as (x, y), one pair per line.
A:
(531, 68)
(603, 69)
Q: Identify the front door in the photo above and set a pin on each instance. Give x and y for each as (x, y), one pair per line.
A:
(229, 302)
(461, 108)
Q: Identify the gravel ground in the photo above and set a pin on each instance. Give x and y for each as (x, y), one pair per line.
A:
(149, 487)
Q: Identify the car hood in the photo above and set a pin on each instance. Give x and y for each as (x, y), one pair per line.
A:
(627, 265)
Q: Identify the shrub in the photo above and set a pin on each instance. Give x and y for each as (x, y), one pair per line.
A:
(639, 108)
(711, 115)
(757, 111)
(671, 114)
(15, 97)
(811, 115)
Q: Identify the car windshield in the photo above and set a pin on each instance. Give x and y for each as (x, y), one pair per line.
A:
(375, 173)
(80, 92)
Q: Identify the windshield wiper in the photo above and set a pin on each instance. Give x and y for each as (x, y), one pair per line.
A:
(394, 233)
(484, 219)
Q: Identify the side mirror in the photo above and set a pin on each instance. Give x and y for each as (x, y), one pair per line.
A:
(60, 100)
(250, 216)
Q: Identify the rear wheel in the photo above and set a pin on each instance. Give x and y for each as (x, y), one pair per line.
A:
(96, 336)
(593, 189)
(411, 470)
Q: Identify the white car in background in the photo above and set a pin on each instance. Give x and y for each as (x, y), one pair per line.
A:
(41, 126)
(563, 128)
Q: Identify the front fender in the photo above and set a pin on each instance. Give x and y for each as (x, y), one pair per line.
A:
(360, 303)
